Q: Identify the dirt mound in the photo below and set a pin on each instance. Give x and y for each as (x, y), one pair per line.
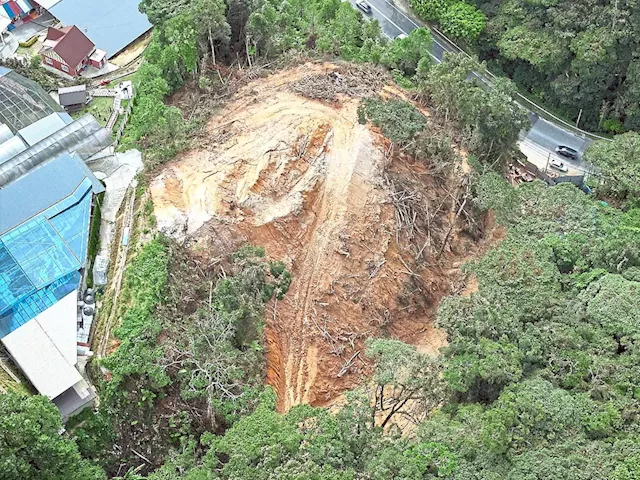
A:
(301, 177)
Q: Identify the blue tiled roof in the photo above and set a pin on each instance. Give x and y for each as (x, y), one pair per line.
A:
(111, 25)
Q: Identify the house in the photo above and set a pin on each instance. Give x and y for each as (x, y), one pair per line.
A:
(73, 98)
(111, 25)
(47, 194)
(68, 50)
(46, 202)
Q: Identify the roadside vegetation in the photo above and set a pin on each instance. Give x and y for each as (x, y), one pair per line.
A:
(579, 60)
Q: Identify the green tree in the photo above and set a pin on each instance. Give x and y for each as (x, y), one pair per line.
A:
(210, 19)
(404, 377)
(618, 163)
(491, 119)
(462, 20)
(32, 446)
(405, 54)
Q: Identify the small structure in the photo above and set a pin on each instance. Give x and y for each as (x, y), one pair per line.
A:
(69, 51)
(73, 98)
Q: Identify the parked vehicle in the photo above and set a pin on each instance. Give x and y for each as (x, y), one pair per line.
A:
(567, 152)
(558, 165)
(401, 36)
(363, 5)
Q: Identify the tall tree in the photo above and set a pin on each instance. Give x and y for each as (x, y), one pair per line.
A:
(618, 163)
(210, 19)
(32, 446)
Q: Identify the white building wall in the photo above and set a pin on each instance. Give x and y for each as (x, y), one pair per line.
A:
(45, 348)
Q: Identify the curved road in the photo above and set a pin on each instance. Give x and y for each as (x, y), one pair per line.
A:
(543, 133)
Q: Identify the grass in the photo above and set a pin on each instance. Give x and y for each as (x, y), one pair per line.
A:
(100, 108)
(123, 79)
(94, 237)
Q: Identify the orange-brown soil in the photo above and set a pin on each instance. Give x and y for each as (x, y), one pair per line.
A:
(304, 179)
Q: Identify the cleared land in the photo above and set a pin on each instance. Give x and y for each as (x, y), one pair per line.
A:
(328, 195)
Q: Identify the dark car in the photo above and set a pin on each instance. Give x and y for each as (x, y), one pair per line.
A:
(567, 152)
(363, 5)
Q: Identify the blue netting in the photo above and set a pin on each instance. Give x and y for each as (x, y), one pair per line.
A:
(40, 252)
(14, 284)
(37, 303)
(73, 226)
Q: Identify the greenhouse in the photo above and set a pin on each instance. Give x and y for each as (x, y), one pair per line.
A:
(22, 101)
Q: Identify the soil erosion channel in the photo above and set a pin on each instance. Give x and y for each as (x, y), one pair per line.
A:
(302, 178)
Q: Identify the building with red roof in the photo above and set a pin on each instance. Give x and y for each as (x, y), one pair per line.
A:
(70, 51)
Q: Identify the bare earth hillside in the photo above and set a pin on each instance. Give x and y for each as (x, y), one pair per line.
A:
(302, 178)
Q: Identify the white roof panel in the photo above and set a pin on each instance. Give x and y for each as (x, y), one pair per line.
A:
(44, 128)
(60, 323)
(4, 22)
(5, 133)
(40, 360)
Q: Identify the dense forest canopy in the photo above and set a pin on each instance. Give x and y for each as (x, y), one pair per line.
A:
(571, 55)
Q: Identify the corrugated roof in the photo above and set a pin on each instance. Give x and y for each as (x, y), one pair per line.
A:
(11, 148)
(84, 137)
(44, 186)
(44, 127)
(110, 25)
(72, 89)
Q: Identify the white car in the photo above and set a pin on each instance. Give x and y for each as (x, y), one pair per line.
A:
(401, 36)
(363, 5)
(558, 165)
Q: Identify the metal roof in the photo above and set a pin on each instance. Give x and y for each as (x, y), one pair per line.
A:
(5, 134)
(72, 46)
(72, 89)
(84, 137)
(44, 186)
(22, 101)
(44, 127)
(111, 25)
(38, 355)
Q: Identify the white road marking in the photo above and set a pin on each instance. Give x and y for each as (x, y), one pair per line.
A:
(403, 14)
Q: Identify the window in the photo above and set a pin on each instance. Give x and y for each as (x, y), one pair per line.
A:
(65, 68)
(48, 61)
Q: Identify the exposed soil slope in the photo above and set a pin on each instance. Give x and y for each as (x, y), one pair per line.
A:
(304, 179)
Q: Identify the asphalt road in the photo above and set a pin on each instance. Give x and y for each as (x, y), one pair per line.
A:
(543, 133)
